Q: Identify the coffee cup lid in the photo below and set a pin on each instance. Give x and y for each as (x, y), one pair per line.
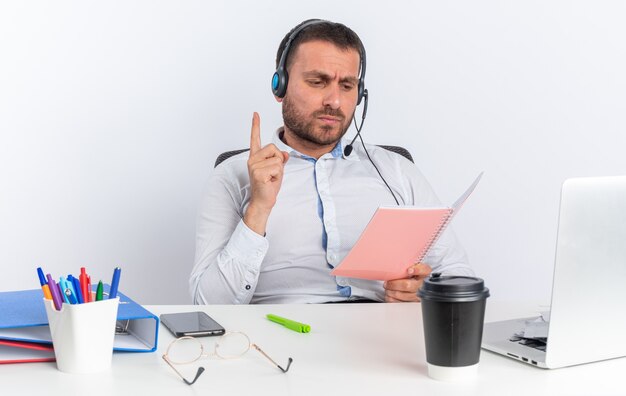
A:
(453, 288)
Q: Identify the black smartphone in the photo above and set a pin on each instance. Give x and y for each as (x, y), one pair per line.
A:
(194, 324)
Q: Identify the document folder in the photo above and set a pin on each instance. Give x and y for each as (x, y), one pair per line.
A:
(25, 352)
(23, 318)
(396, 238)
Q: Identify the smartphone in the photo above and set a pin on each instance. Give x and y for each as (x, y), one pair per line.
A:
(193, 324)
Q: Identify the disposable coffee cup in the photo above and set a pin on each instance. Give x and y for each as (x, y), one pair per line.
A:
(82, 335)
(453, 312)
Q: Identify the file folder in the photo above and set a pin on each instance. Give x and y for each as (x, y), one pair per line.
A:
(23, 318)
(25, 352)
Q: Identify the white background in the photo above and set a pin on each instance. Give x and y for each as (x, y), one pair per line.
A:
(112, 113)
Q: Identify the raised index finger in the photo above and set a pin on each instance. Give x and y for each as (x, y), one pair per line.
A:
(255, 134)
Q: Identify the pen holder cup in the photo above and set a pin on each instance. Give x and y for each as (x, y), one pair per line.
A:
(82, 335)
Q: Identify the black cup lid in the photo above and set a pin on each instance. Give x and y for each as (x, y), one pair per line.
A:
(453, 288)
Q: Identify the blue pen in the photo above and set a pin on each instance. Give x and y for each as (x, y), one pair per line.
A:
(77, 291)
(42, 278)
(70, 296)
(115, 282)
(63, 286)
(70, 285)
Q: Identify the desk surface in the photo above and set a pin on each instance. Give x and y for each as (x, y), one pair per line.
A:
(360, 349)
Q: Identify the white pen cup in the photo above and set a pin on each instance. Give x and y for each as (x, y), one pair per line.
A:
(83, 334)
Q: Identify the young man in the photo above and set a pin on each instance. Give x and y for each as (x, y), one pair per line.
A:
(276, 220)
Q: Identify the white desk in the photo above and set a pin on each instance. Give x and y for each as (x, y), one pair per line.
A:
(353, 349)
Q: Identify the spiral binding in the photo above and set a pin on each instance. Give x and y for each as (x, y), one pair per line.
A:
(440, 228)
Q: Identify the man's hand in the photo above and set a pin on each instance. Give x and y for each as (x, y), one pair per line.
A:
(400, 290)
(265, 168)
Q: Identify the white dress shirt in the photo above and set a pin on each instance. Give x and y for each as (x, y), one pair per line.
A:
(321, 209)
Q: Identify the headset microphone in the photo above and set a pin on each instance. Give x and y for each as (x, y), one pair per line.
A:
(348, 149)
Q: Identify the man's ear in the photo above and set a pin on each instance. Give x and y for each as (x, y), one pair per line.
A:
(279, 100)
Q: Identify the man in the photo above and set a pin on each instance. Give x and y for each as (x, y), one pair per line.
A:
(276, 220)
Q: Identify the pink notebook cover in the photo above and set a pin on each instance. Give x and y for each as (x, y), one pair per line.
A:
(395, 239)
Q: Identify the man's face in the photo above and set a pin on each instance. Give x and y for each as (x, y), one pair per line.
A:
(322, 92)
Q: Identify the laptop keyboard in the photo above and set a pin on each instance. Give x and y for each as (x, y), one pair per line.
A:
(537, 343)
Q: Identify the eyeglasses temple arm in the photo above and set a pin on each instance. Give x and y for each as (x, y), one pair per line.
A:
(284, 370)
(198, 373)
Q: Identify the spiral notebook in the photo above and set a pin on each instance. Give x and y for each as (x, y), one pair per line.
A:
(396, 238)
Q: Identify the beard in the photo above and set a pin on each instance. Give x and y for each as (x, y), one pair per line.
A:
(304, 128)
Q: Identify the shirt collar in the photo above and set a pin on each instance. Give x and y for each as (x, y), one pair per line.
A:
(337, 151)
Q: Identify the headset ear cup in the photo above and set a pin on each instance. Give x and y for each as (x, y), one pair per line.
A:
(275, 82)
(279, 83)
(361, 92)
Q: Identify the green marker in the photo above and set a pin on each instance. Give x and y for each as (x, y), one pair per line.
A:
(290, 324)
(99, 291)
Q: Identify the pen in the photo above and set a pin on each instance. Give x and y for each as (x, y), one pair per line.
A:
(89, 295)
(79, 294)
(69, 281)
(42, 278)
(63, 286)
(44, 284)
(115, 282)
(290, 324)
(46, 292)
(99, 291)
(83, 284)
(70, 296)
(54, 291)
(58, 287)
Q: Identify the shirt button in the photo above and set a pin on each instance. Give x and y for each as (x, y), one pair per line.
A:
(247, 287)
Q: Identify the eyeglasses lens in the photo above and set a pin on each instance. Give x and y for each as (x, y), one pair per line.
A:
(232, 345)
(185, 350)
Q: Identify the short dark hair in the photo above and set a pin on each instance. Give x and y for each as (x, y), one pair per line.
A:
(336, 33)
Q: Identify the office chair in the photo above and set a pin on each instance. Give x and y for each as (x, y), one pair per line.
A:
(396, 149)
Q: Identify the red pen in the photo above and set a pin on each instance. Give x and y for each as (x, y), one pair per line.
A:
(84, 284)
(89, 288)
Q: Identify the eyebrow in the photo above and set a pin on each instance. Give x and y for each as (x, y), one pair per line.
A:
(328, 77)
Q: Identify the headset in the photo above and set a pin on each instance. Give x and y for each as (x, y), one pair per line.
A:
(280, 79)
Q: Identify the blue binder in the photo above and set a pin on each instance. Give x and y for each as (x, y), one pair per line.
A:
(23, 318)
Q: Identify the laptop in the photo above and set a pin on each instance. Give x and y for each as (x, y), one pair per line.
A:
(587, 318)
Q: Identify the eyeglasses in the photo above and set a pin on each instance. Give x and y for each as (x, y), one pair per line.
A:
(231, 345)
